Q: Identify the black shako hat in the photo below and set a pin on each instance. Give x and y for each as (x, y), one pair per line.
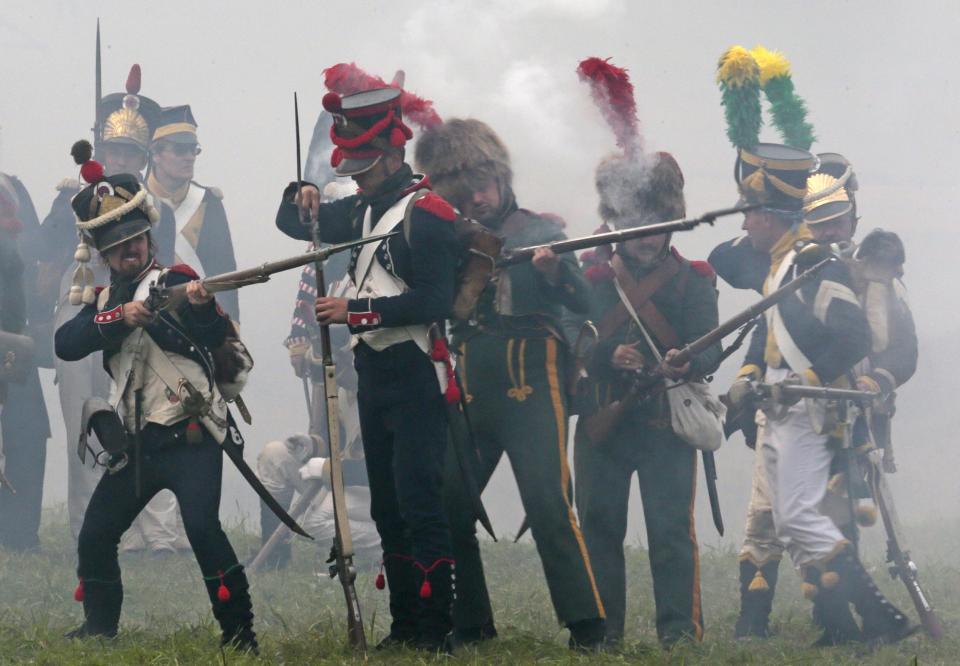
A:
(366, 125)
(774, 175)
(112, 210)
(176, 124)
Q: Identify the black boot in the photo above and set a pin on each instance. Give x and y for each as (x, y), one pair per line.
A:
(757, 586)
(463, 636)
(402, 579)
(587, 635)
(435, 620)
(101, 609)
(279, 558)
(883, 623)
(829, 593)
(230, 596)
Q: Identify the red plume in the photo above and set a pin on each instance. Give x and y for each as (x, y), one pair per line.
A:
(347, 78)
(611, 89)
(133, 80)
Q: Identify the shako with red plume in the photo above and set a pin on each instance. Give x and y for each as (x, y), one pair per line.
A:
(346, 79)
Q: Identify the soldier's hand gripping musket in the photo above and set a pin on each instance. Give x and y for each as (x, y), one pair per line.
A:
(522, 254)
(603, 421)
(171, 297)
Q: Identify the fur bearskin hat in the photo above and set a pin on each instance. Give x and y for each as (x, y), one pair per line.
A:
(460, 155)
(634, 192)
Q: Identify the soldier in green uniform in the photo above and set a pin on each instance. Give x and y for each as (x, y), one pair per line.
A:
(512, 366)
(676, 302)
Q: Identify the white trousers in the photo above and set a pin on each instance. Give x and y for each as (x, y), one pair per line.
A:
(278, 467)
(797, 466)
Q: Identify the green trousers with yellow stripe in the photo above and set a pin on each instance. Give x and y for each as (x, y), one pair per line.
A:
(667, 471)
(517, 405)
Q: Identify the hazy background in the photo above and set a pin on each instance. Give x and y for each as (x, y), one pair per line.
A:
(878, 77)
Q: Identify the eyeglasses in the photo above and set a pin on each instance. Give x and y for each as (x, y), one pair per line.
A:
(183, 149)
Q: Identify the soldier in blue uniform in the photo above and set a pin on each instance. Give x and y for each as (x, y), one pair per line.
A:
(155, 360)
(405, 285)
(816, 336)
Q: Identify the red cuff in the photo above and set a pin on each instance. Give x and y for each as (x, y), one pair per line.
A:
(363, 319)
(109, 316)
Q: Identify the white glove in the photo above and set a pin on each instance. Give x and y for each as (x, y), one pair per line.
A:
(314, 469)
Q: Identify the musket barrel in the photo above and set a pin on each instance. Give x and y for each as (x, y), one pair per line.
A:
(738, 320)
(827, 393)
(522, 254)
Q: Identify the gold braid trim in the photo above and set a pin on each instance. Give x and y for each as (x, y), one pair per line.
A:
(520, 391)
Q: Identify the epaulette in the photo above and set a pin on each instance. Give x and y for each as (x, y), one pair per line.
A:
(602, 272)
(68, 184)
(437, 206)
(704, 269)
(184, 269)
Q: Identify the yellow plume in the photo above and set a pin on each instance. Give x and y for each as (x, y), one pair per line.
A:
(771, 63)
(737, 68)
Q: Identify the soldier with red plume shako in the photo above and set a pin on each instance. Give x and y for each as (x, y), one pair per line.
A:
(513, 356)
(647, 302)
(167, 420)
(404, 285)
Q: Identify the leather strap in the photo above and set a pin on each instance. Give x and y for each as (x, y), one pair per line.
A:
(639, 292)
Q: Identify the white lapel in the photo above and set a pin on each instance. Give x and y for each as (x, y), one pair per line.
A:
(388, 222)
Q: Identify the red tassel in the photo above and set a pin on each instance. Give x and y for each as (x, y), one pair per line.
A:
(133, 80)
(92, 171)
(452, 394)
(336, 157)
(425, 590)
(439, 352)
(78, 593)
(380, 582)
(223, 593)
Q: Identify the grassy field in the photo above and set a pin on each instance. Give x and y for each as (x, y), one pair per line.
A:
(300, 617)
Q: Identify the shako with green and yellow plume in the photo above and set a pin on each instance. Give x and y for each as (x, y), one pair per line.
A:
(773, 175)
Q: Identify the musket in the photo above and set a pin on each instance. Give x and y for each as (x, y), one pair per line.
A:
(341, 553)
(98, 96)
(784, 390)
(601, 424)
(901, 563)
(522, 254)
(167, 298)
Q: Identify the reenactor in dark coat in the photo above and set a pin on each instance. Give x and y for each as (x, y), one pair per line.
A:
(513, 363)
(676, 301)
(167, 399)
(25, 424)
(875, 266)
(816, 337)
(404, 286)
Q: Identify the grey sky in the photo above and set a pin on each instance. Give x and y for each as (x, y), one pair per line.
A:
(878, 78)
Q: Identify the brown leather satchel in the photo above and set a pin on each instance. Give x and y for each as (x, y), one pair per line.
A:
(16, 357)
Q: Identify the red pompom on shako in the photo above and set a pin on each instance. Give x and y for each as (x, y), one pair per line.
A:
(133, 80)
(78, 593)
(223, 592)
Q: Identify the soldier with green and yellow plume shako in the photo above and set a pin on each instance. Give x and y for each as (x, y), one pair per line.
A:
(815, 337)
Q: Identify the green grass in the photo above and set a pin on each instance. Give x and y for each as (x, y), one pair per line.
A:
(300, 616)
